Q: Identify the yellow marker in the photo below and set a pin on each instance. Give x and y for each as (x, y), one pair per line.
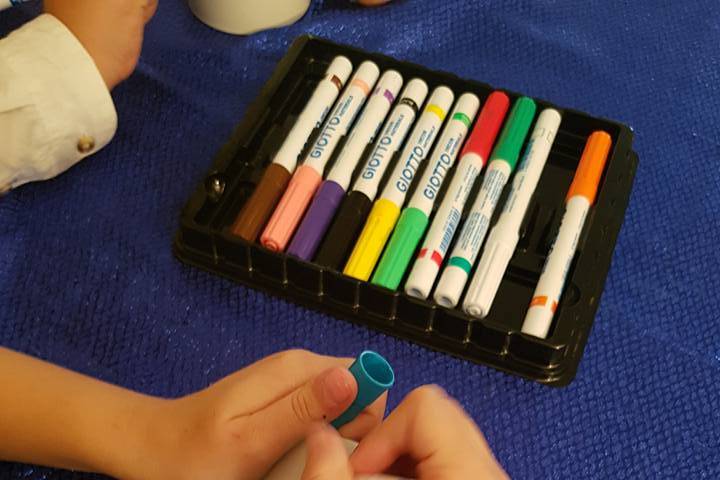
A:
(386, 209)
(377, 229)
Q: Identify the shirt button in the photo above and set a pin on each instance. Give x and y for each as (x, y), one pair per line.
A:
(85, 144)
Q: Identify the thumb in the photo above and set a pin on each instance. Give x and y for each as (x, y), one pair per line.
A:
(321, 399)
(327, 458)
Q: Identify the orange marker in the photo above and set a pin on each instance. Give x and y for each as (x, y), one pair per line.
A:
(577, 203)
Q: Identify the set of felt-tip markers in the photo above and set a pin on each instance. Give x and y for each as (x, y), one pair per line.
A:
(319, 220)
(421, 204)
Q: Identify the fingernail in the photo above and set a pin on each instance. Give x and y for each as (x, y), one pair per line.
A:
(335, 385)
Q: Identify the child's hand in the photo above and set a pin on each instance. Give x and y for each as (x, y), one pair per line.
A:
(326, 456)
(428, 436)
(110, 30)
(239, 427)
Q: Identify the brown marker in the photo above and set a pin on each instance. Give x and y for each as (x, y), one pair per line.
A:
(256, 211)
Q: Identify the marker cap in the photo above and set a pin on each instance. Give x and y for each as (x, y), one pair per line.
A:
(389, 84)
(592, 164)
(416, 90)
(466, 108)
(516, 129)
(408, 233)
(369, 246)
(337, 244)
(423, 275)
(289, 211)
(374, 376)
(341, 68)
(452, 282)
(316, 220)
(259, 206)
(487, 126)
(440, 101)
(487, 278)
(365, 77)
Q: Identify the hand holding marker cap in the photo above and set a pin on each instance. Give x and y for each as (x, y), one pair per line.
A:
(504, 236)
(374, 376)
(415, 217)
(335, 248)
(472, 160)
(577, 203)
(502, 162)
(306, 179)
(386, 210)
(331, 192)
(259, 206)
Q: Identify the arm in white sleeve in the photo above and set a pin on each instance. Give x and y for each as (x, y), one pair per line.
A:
(55, 108)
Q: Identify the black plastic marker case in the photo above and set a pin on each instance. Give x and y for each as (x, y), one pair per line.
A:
(203, 239)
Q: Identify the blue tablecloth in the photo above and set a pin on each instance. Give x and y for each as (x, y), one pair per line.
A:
(88, 280)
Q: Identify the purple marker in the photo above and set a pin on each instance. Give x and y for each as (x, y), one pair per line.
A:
(332, 190)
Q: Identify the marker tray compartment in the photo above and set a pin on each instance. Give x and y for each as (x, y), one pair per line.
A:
(203, 240)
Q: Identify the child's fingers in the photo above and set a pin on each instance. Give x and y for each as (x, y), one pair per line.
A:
(433, 430)
(327, 458)
(272, 378)
(322, 399)
(368, 419)
(404, 433)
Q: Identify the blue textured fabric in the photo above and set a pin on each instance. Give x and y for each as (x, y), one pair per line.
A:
(88, 280)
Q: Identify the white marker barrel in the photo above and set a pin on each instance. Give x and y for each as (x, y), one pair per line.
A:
(366, 129)
(391, 137)
(314, 112)
(424, 271)
(445, 153)
(437, 242)
(504, 236)
(454, 277)
(342, 116)
(418, 146)
(552, 280)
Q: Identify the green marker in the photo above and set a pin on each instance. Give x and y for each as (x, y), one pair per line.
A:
(414, 219)
(502, 163)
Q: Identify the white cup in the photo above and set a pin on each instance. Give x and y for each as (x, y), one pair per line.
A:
(244, 17)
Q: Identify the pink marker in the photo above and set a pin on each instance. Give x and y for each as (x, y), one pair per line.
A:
(331, 192)
(307, 178)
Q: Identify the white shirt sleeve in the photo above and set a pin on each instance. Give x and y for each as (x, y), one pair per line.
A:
(55, 108)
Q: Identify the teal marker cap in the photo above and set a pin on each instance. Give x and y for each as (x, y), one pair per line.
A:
(399, 252)
(374, 376)
(514, 132)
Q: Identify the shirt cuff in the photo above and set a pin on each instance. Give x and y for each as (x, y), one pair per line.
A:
(51, 72)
